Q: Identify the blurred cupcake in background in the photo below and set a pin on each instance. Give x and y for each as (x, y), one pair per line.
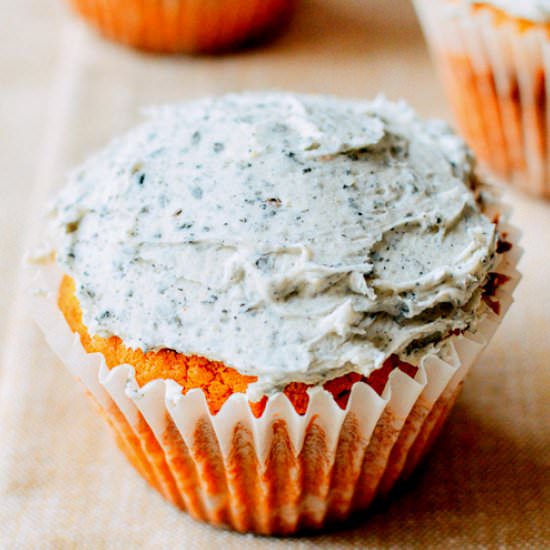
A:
(191, 26)
(493, 59)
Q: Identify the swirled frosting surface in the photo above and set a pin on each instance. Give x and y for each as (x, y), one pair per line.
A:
(295, 238)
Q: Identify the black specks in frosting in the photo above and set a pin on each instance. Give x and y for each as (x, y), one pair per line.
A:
(292, 237)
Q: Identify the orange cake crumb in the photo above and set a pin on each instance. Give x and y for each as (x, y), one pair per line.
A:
(214, 378)
(501, 17)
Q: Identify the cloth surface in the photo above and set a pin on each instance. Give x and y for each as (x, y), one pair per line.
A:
(63, 483)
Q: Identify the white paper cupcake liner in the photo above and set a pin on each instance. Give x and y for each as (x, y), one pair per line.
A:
(495, 72)
(282, 472)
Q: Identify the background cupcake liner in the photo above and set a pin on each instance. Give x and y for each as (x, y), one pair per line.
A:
(282, 472)
(495, 72)
(184, 25)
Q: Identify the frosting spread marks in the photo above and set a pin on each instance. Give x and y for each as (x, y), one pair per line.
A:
(295, 238)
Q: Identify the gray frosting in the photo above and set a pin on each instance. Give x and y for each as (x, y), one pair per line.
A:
(295, 238)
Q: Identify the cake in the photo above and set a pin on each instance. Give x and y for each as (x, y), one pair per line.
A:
(274, 298)
(189, 26)
(492, 63)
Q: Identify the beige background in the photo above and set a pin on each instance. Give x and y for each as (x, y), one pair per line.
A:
(63, 484)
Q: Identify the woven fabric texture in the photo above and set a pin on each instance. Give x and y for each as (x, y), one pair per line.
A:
(63, 482)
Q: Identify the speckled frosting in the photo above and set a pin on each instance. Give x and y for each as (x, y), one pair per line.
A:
(295, 238)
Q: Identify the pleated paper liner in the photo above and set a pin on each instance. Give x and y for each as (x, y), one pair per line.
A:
(190, 26)
(495, 73)
(283, 472)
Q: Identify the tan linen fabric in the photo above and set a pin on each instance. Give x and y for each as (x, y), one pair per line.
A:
(63, 483)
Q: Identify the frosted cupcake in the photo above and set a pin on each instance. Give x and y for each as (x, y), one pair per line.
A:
(274, 299)
(188, 26)
(493, 64)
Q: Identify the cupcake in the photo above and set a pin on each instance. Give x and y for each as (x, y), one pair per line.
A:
(185, 25)
(493, 66)
(273, 299)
